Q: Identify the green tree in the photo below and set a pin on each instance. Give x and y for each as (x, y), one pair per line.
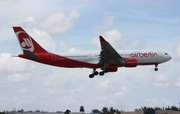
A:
(2, 112)
(168, 108)
(81, 109)
(111, 110)
(174, 108)
(96, 111)
(104, 110)
(157, 108)
(117, 111)
(67, 111)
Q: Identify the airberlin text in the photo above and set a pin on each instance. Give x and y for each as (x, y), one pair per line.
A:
(141, 55)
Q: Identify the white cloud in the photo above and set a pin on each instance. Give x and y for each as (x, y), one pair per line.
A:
(5, 34)
(161, 80)
(112, 36)
(158, 102)
(30, 22)
(109, 101)
(16, 10)
(46, 83)
(65, 48)
(59, 23)
(121, 93)
(51, 92)
(72, 49)
(44, 39)
(104, 86)
(22, 91)
(107, 23)
(138, 44)
(17, 77)
(77, 90)
(30, 25)
(176, 50)
(9, 64)
(178, 83)
(17, 69)
(113, 87)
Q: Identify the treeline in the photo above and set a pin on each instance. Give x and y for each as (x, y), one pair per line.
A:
(106, 110)
(173, 108)
(111, 110)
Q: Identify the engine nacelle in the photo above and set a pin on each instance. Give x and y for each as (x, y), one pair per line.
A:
(112, 69)
(129, 62)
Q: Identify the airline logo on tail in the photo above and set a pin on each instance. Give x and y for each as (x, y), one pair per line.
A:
(25, 41)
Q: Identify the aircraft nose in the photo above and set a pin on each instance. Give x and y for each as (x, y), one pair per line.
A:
(169, 57)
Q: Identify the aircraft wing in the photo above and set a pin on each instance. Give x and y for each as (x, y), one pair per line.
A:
(108, 54)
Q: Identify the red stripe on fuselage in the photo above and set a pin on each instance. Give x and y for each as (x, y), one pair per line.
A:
(60, 61)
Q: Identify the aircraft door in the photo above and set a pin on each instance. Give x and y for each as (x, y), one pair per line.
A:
(158, 58)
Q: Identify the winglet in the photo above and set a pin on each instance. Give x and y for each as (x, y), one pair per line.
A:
(101, 39)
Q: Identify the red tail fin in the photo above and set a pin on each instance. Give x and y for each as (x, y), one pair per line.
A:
(26, 42)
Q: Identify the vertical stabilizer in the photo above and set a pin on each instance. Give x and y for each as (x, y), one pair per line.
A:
(27, 43)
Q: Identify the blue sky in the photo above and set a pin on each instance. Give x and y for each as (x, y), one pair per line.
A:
(61, 26)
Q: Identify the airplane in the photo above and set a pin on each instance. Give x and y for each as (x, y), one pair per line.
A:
(108, 59)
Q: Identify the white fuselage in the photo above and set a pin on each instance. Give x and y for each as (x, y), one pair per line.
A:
(143, 57)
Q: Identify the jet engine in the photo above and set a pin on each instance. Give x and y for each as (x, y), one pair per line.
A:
(129, 62)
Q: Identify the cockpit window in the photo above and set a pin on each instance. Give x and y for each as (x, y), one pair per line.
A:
(166, 53)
